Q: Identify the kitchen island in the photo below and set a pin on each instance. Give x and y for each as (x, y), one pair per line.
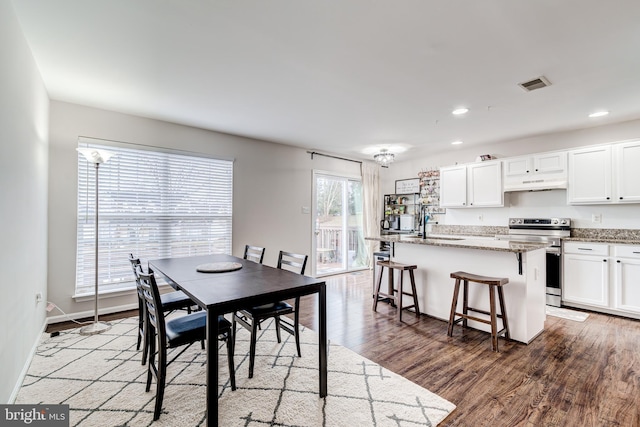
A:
(436, 256)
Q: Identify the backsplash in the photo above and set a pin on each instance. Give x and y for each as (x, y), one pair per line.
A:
(469, 230)
(595, 234)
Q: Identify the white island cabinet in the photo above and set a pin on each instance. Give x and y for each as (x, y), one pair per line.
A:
(525, 294)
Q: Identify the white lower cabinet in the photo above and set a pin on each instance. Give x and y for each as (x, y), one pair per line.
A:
(627, 278)
(586, 274)
(602, 277)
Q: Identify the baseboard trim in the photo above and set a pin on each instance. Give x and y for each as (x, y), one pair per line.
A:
(90, 313)
(25, 368)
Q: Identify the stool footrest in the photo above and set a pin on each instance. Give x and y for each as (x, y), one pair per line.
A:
(382, 296)
(466, 316)
(498, 315)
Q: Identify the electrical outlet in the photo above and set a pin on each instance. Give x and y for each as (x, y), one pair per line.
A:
(596, 218)
(306, 210)
(38, 297)
(50, 306)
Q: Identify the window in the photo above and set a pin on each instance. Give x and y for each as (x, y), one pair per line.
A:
(154, 204)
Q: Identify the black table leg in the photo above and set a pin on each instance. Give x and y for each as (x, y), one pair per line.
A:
(212, 368)
(322, 314)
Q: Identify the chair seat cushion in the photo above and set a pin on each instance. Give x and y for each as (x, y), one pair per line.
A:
(268, 310)
(175, 300)
(191, 328)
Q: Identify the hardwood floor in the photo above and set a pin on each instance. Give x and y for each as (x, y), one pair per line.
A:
(573, 374)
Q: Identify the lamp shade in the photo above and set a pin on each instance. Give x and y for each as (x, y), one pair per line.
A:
(95, 155)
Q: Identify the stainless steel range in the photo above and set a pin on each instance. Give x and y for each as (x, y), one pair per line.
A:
(545, 230)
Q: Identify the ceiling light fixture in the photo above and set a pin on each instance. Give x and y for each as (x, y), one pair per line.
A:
(599, 114)
(459, 111)
(456, 143)
(384, 158)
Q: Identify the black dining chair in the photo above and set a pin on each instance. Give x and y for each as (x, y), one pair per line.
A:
(180, 331)
(251, 318)
(170, 302)
(254, 253)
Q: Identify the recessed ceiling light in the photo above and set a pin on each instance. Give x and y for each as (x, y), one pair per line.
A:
(459, 111)
(456, 143)
(599, 114)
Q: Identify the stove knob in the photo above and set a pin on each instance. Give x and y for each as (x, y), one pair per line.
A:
(519, 221)
(554, 221)
(563, 222)
(513, 221)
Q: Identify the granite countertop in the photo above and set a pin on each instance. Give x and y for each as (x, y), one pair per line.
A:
(459, 241)
(605, 235)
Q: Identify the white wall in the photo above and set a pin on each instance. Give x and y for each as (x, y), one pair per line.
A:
(23, 194)
(272, 182)
(528, 204)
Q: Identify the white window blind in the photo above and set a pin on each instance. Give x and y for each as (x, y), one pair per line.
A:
(153, 204)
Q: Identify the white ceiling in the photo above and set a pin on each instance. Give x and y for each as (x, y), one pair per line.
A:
(345, 76)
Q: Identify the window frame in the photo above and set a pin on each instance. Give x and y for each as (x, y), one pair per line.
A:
(179, 207)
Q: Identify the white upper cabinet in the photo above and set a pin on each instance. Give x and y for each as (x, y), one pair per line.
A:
(605, 174)
(484, 184)
(472, 185)
(536, 172)
(627, 170)
(453, 186)
(590, 176)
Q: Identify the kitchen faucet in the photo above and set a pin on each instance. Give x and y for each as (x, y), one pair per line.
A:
(424, 217)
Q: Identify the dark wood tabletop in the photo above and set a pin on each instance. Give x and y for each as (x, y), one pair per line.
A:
(253, 284)
(220, 293)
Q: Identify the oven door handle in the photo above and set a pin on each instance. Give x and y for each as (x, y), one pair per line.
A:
(556, 250)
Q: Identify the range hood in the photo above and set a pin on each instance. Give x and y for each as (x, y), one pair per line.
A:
(536, 184)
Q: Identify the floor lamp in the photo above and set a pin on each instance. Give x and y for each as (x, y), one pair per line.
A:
(97, 157)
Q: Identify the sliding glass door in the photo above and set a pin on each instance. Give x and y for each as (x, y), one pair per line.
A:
(338, 239)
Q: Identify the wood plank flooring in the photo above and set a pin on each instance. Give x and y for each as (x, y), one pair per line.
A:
(574, 374)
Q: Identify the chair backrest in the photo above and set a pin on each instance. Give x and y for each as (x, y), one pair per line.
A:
(136, 265)
(254, 253)
(151, 296)
(292, 262)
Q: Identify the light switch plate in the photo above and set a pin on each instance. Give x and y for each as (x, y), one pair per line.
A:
(306, 210)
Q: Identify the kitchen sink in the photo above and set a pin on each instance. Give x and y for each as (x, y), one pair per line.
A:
(411, 237)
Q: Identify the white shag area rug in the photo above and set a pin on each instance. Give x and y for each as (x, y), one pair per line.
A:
(102, 380)
(565, 313)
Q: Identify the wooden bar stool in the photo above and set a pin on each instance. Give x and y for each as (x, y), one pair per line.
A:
(393, 295)
(493, 283)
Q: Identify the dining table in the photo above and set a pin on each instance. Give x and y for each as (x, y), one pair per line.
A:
(248, 284)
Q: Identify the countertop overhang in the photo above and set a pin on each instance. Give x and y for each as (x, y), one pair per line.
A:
(467, 242)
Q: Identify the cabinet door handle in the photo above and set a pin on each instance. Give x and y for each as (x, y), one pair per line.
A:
(621, 198)
(618, 261)
(604, 260)
(536, 170)
(585, 249)
(635, 252)
(608, 198)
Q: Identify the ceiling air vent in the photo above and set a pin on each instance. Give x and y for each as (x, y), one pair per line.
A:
(534, 84)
